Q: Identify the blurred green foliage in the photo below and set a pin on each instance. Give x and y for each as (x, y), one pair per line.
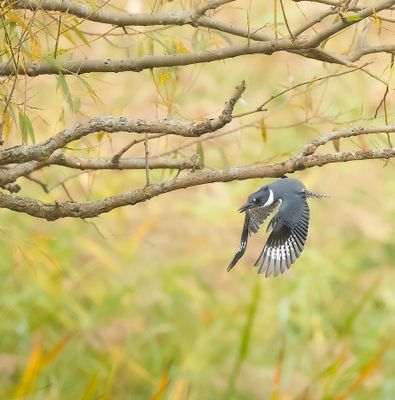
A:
(148, 306)
(137, 304)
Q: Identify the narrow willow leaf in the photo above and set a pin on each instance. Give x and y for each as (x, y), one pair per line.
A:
(90, 90)
(35, 48)
(14, 17)
(151, 46)
(379, 23)
(263, 130)
(140, 49)
(26, 128)
(53, 62)
(200, 152)
(100, 135)
(64, 29)
(81, 36)
(12, 29)
(64, 87)
(7, 125)
(336, 144)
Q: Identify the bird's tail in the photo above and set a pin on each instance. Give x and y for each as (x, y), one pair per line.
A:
(315, 195)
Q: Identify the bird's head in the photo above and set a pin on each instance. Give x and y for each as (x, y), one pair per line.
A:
(262, 198)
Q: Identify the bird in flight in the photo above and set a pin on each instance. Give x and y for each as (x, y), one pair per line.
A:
(289, 226)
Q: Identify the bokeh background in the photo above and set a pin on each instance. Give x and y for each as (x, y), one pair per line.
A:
(137, 304)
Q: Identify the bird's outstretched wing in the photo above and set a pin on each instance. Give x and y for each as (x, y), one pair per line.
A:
(258, 216)
(286, 241)
(254, 218)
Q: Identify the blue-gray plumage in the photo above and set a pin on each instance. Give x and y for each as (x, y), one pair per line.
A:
(289, 226)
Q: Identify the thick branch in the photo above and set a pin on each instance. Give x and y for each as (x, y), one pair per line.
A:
(146, 62)
(42, 151)
(195, 18)
(54, 211)
(126, 163)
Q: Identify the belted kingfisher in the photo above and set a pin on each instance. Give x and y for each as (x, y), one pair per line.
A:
(289, 226)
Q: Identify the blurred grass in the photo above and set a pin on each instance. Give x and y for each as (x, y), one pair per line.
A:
(139, 305)
(148, 311)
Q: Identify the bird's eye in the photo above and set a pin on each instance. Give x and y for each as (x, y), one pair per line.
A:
(254, 200)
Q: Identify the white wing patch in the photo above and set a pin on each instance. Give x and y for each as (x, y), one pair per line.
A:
(284, 246)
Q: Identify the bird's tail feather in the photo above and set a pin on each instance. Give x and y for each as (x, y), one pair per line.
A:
(315, 195)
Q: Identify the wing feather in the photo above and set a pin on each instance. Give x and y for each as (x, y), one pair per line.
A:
(286, 241)
(254, 218)
(259, 214)
(243, 241)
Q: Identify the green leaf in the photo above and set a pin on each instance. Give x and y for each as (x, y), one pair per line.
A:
(90, 90)
(64, 87)
(53, 62)
(26, 128)
(352, 18)
(200, 152)
(140, 49)
(151, 48)
(245, 337)
(81, 36)
(100, 136)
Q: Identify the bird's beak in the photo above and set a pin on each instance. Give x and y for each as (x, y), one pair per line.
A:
(246, 206)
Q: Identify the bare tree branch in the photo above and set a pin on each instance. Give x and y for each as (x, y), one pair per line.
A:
(303, 46)
(350, 20)
(42, 151)
(345, 133)
(54, 211)
(363, 51)
(147, 62)
(23, 161)
(126, 163)
(176, 18)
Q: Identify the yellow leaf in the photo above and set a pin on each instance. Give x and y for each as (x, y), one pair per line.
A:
(65, 31)
(163, 384)
(35, 47)
(90, 389)
(263, 129)
(164, 77)
(180, 48)
(7, 125)
(61, 51)
(140, 50)
(32, 370)
(14, 17)
(180, 390)
(378, 22)
(55, 350)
